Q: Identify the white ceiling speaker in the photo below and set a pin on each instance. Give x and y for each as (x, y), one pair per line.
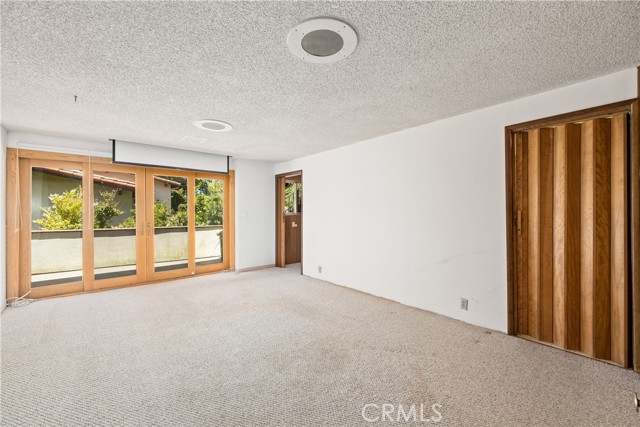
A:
(322, 40)
(213, 125)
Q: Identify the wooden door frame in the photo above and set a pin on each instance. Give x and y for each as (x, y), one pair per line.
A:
(26, 166)
(280, 230)
(227, 213)
(631, 106)
(152, 274)
(140, 276)
(18, 239)
(634, 172)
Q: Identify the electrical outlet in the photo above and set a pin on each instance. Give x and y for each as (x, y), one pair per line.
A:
(464, 304)
(319, 269)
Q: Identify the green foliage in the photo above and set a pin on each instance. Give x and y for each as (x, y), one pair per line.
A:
(209, 206)
(105, 209)
(160, 214)
(293, 196)
(65, 212)
(179, 219)
(289, 191)
(209, 202)
(178, 216)
(178, 199)
(130, 221)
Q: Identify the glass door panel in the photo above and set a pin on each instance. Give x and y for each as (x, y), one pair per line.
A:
(170, 222)
(56, 225)
(88, 226)
(209, 213)
(114, 224)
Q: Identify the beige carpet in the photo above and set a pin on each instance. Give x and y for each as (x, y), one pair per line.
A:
(271, 348)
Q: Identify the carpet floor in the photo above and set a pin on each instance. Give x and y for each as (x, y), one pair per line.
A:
(274, 348)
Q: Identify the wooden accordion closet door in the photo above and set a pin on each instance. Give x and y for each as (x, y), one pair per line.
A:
(571, 200)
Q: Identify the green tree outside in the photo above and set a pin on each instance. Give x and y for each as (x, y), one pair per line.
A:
(105, 209)
(65, 212)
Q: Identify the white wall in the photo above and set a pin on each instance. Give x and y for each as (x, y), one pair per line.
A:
(255, 214)
(40, 142)
(3, 220)
(418, 216)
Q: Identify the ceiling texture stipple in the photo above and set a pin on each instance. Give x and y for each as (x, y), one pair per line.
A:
(145, 71)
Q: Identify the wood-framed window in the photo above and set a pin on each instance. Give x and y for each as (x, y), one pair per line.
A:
(78, 223)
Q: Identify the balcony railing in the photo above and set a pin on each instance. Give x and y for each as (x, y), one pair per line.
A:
(57, 255)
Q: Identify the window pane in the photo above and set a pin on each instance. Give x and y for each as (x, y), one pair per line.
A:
(209, 215)
(170, 218)
(56, 224)
(289, 197)
(292, 197)
(114, 223)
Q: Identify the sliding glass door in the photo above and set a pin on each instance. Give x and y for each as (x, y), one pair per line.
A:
(54, 226)
(211, 215)
(185, 226)
(168, 222)
(87, 225)
(118, 225)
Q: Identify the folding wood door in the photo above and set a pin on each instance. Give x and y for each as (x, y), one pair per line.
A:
(572, 236)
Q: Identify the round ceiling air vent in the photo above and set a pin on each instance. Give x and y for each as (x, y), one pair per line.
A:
(322, 40)
(213, 125)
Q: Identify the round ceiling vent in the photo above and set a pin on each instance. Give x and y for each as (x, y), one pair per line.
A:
(322, 40)
(213, 125)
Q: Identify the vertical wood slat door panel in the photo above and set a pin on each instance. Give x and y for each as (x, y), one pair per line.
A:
(533, 261)
(521, 170)
(560, 222)
(546, 234)
(572, 243)
(619, 248)
(540, 234)
(602, 239)
(586, 235)
(566, 237)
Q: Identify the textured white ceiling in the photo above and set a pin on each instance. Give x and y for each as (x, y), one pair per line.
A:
(144, 71)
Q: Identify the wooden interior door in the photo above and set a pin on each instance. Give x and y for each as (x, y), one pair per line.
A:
(280, 223)
(293, 242)
(572, 236)
(289, 218)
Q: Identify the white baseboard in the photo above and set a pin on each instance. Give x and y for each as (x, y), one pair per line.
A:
(260, 267)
